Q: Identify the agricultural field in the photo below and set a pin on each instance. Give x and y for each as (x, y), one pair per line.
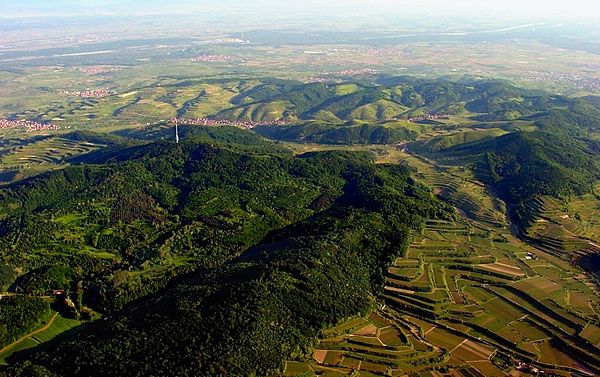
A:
(484, 312)
(56, 326)
(470, 296)
(566, 227)
(25, 157)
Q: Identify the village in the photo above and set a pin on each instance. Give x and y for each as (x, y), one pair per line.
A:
(422, 118)
(29, 125)
(371, 51)
(89, 93)
(216, 59)
(575, 81)
(97, 70)
(351, 72)
(321, 79)
(334, 76)
(224, 122)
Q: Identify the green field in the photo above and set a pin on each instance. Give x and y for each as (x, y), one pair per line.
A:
(59, 326)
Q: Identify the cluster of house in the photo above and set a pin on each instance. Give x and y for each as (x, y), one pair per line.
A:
(222, 122)
(321, 79)
(402, 147)
(586, 67)
(91, 93)
(29, 125)
(421, 118)
(531, 256)
(351, 72)
(574, 80)
(96, 70)
(524, 367)
(216, 59)
(371, 51)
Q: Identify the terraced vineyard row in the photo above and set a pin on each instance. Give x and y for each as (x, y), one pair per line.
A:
(488, 289)
(566, 231)
(44, 154)
(469, 299)
(377, 345)
(459, 187)
(478, 302)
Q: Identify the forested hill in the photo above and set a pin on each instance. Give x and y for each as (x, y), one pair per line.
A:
(395, 97)
(522, 166)
(275, 248)
(383, 99)
(387, 110)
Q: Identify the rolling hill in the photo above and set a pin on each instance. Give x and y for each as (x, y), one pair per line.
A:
(207, 243)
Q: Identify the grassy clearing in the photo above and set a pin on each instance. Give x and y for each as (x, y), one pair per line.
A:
(21, 346)
(59, 326)
(294, 368)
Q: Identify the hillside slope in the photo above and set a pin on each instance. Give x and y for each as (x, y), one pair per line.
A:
(282, 248)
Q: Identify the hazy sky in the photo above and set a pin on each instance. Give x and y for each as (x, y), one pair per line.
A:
(487, 8)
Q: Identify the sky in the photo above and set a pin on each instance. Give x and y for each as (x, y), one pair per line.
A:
(486, 8)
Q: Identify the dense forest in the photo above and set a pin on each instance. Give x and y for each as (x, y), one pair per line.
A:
(21, 315)
(346, 135)
(250, 255)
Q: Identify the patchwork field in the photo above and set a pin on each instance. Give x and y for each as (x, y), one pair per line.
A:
(472, 297)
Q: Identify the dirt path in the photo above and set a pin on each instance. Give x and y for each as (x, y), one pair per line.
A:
(41, 329)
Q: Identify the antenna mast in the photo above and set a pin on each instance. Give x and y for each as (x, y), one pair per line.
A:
(176, 132)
